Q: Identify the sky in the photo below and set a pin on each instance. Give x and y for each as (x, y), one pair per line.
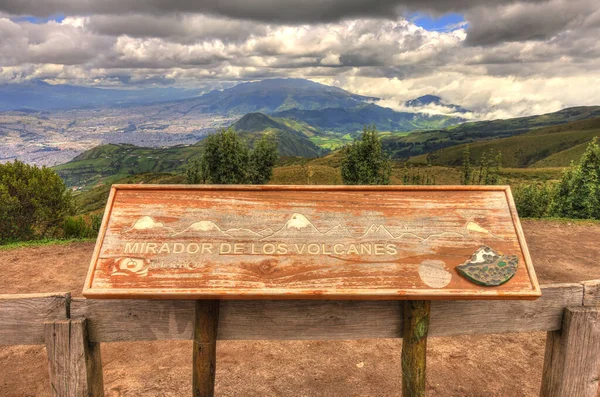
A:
(500, 58)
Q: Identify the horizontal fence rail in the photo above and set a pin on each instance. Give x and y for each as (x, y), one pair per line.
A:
(568, 312)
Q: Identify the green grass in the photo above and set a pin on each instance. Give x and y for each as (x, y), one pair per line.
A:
(40, 243)
(331, 142)
(562, 158)
(568, 221)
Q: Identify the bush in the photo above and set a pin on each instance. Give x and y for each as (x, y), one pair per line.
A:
(80, 227)
(534, 201)
(75, 227)
(365, 162)
(33, 202)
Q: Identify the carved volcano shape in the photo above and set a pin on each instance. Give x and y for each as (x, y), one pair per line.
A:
(486, 267)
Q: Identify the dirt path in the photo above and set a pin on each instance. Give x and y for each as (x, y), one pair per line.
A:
(473, 366)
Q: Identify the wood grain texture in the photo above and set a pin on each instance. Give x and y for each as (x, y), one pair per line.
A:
(591, 293)
(306, 242)
(572, 359)
(74, 364)
(414, 348)
(204, 356)
(22, 316)
(128, 320)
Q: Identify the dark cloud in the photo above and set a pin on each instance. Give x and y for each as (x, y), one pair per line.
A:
(180, 28)
(527, 21)
(278, 11)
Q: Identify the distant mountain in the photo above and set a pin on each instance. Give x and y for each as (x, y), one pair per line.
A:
(290, 142)
(426, 100)
(420, 142)
(327, 108)
(40, 95)
(352, 120)
(269, 96)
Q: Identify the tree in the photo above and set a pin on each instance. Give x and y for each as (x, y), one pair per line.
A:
(467, 170)
(578, 193)
(227, 159)
(262, 160)
(364, 161)
(488, 172)
(33, 201)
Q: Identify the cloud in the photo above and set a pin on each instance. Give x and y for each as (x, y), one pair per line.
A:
(528, 21)
(510, 58)
(272, 11)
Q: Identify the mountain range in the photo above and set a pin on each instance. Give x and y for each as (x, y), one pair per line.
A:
(51, 124)
(39, 95)
(530, 140)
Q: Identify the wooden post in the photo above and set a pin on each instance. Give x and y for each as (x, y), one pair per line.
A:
(572, 361)
(414, 347)
(74, 362)
(205, 348)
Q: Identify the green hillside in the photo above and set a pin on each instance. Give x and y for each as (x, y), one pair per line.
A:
(292, 141)
(562, 158)
(421, 142)
(543, 147)
(108, 163)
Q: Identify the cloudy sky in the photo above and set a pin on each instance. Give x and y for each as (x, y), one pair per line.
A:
(500, 58)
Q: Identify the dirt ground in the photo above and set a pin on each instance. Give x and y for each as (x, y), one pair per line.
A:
(468, 366)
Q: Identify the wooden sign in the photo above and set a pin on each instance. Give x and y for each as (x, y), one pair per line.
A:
(311, 242)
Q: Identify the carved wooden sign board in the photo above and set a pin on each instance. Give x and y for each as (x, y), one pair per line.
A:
(318, 242)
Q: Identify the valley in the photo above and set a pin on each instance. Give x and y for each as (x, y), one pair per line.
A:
(55, 130)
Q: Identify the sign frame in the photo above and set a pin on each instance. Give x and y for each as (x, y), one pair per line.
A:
(486, 293)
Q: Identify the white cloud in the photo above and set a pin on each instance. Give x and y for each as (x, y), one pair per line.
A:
(482, 66)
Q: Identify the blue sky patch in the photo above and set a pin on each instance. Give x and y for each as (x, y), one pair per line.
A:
(39, 20)
(445, 22)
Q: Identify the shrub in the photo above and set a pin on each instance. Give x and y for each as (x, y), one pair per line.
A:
(533, 201)
(80, 227)
(75, 227)
(34, 202)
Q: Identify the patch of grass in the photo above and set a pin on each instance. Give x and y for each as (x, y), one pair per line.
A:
(568, 221)
(331, 142)
(40, 243)
(563, 158)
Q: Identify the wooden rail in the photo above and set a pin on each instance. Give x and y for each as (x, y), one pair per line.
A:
(72, 329)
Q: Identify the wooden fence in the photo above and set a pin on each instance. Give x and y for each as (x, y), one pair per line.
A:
(72, 329)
